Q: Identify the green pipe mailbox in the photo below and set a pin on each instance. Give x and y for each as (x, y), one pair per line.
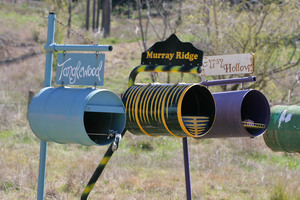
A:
(73, 115)
(283, 133)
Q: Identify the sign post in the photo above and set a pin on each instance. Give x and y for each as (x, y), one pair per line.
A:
(47, 83)
(75, 72)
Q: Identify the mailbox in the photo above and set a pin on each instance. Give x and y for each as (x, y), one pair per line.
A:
(283, 133)
(169, 109)
(244, 113)
(74, 115)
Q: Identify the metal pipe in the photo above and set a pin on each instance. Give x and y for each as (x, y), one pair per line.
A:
(229, 81)
(161, 68)
(73, 47)
(187, 173)
(47, 83)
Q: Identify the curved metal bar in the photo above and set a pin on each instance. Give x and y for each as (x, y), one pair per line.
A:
(161, 68)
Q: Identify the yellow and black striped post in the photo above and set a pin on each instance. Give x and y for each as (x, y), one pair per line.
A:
(97, 172)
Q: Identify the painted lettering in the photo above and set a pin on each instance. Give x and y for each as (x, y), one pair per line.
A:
(75, 73)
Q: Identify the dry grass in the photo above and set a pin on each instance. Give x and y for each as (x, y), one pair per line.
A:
(143, 167)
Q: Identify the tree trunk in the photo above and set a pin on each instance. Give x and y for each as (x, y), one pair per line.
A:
(70, 18)
(106, 14)
(94, 15)
(87, 19)
(98, 13)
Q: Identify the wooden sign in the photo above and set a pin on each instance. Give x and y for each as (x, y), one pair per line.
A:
(80, 69)
(228, 64)
(172, 52)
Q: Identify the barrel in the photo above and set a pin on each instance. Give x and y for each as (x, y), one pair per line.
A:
(283, 133)
(241, 113)
(74, 115)
(178, 110)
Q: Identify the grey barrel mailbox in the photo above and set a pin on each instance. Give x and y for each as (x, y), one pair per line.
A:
(74, 115)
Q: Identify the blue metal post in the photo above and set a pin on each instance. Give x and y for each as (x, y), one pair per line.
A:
(187, 168)
(47, 83)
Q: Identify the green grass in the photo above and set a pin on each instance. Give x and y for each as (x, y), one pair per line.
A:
(283, 160)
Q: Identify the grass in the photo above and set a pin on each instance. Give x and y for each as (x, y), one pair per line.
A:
(143, 167)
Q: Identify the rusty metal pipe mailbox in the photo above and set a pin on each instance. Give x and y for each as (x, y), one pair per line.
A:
(74, 115)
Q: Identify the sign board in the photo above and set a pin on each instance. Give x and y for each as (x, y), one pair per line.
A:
(172, 52)
(228, 64)
(80, 69)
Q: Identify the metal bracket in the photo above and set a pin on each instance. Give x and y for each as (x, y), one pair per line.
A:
(117, 139)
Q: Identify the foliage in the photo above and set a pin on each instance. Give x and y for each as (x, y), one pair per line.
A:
(271, 31)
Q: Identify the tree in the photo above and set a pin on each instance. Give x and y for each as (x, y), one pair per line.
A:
(98, 13)
(271, 31)
(94, 15)
(70, 17)
(87, 17)
(106, 17)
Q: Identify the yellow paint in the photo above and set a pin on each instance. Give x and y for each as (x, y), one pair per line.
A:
(144, 103)
(136, 113)
(104, 160)
(170, 104)
(179, 93)
(141, 110)
(128, 101)
(196, 127)
(88, 188)
(152, 102)
(159, 68)
(166, 90)
(175, 69)
(127, 92)
(141, 68)
(157, 102)
(194, 70)
(147, 103)
(179, 115)
(163, 114)
(130, 104)
(135, 104)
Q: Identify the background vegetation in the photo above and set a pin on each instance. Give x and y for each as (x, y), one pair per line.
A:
(144, 167)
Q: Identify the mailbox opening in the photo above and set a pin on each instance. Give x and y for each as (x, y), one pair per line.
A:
(255, 113)
(99, 125)
(103, 117)
(198, 110)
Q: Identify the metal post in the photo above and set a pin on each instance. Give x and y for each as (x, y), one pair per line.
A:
(47, 83)
(187, 168)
